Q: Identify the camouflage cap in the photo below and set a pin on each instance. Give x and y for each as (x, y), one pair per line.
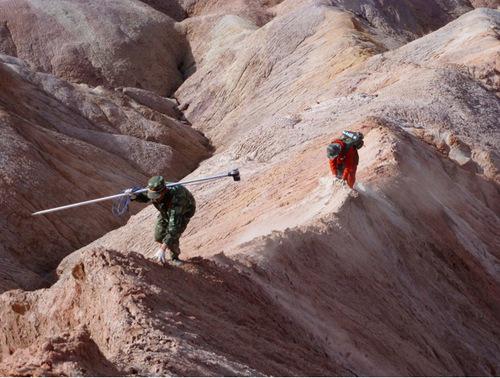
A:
(333, 150)
(156, 185)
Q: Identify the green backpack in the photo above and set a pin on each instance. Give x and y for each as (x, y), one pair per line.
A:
(352, 139)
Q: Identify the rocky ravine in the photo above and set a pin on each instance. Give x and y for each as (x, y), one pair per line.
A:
(289, 274)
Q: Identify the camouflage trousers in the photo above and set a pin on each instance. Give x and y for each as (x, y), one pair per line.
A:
(171, 237)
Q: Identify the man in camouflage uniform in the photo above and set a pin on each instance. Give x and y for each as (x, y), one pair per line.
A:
(176, 206)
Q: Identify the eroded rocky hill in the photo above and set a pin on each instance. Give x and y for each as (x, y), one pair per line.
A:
(64, 143)
(287, 273)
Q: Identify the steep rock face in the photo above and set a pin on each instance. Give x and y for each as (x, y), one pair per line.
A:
(422, 258)
(399, 277)
(404, 20)
(289, 272)
(130, 318)
(450, 72)
(275, 68)
(116, 43)
(391, 23)
(454, 98)
(62, 144)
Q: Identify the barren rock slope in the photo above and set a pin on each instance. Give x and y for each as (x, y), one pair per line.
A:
(116, 42)
(287, 272)
(62, 144)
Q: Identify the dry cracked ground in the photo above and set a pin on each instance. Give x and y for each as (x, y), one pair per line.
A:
(286, 272)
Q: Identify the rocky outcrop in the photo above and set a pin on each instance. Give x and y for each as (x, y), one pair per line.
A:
(392, 23)
(129, 317)
(421, 257)
(406, 20)
(348, 80)
(495, 4)
(256, 11)
(274, 76)
(454, 81)
(420, 223)
(136, 45)
(415, 243)
(288, 272)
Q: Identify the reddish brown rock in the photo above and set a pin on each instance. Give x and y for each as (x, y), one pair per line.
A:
(495, 4)
(288, 272)
(415, 243)
(343, 79)
(314, 247)
(63, 355)
(256, 11)
(130, 320)
(136, 45)
(407, 20)
(63, 144)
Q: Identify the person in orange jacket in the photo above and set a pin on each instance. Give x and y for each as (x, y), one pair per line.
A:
(343, 159)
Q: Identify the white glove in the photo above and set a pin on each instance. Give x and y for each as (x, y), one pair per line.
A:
(337, 182)
(130, 193)
(160, 256)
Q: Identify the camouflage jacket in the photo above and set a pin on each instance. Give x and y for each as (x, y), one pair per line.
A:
(177, 202)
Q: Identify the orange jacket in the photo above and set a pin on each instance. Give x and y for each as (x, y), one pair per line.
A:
(348, 161)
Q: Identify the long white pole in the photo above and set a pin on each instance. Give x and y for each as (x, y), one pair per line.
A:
(198, 180)
(86, 202)
(235, 174)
